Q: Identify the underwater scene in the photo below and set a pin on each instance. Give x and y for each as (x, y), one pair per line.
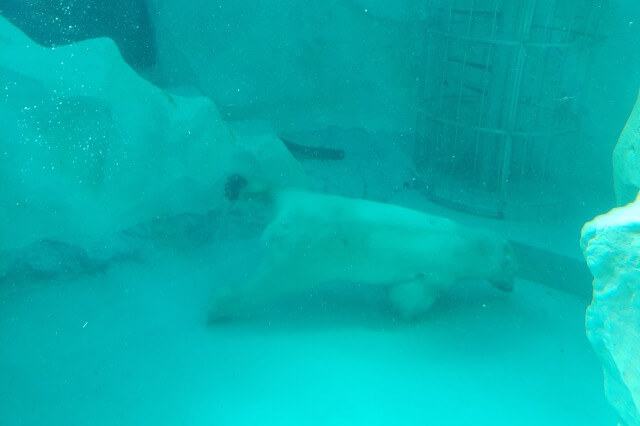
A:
(320, 212)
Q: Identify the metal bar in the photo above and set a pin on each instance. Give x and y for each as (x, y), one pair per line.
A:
(545, 164)
(547, 147)
(500, 132)
(591, 17)
(585, 59)
(485, 77)
(525, 32)
(547, 140)
(500, 42)
(420, 139)
(572, 20)
(464, 65)
(476, 12)
(560, 29)
(473, 89)
(551, 13)
(434, 151)
(533, 94)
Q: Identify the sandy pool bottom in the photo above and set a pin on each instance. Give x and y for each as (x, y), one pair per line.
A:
(131, 347)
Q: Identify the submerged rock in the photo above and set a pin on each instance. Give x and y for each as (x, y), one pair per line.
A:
(97, 163)
(88, 147)
(48, 260)
(611, 246)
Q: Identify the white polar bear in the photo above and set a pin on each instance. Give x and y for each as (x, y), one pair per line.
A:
(316, 238)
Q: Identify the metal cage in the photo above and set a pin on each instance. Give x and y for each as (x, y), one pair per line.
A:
(499, 83)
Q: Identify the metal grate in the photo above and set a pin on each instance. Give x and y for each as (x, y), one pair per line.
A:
(499, 84)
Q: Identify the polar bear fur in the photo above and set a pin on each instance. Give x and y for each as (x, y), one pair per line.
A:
(317, 238)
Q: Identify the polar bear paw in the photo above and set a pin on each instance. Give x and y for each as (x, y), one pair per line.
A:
(411, 299)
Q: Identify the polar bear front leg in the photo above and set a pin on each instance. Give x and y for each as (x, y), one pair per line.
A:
(268, 284)
(412, 298)
(239, 300)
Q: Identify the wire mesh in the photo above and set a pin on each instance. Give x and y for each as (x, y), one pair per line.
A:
(499, 83)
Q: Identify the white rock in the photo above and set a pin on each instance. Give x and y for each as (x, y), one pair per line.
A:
(611, 246)
(626, 159)
(88, 147)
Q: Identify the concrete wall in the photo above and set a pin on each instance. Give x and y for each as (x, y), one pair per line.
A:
(354, 63)
(302, 65)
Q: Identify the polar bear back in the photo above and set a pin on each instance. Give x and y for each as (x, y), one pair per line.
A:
(317, 238)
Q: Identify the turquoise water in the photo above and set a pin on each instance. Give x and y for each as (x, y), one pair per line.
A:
(146, 145)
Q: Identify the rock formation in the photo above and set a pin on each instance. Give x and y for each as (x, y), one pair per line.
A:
(611, 246)
(89, 149)
(626, 159)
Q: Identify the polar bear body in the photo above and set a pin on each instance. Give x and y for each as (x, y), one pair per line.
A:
(316, 238)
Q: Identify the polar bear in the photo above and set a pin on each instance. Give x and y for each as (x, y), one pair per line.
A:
(317, 238)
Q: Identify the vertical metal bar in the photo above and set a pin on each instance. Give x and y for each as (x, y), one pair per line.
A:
(590, 18)
(462, 70)
(430, 152)
(582, 61)
(572, 20)
(436, 145)
(585, 58)
(420, 138)
(485, 76)
(576, 44)
(544, 52)
(525, 32)
(553, 111)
